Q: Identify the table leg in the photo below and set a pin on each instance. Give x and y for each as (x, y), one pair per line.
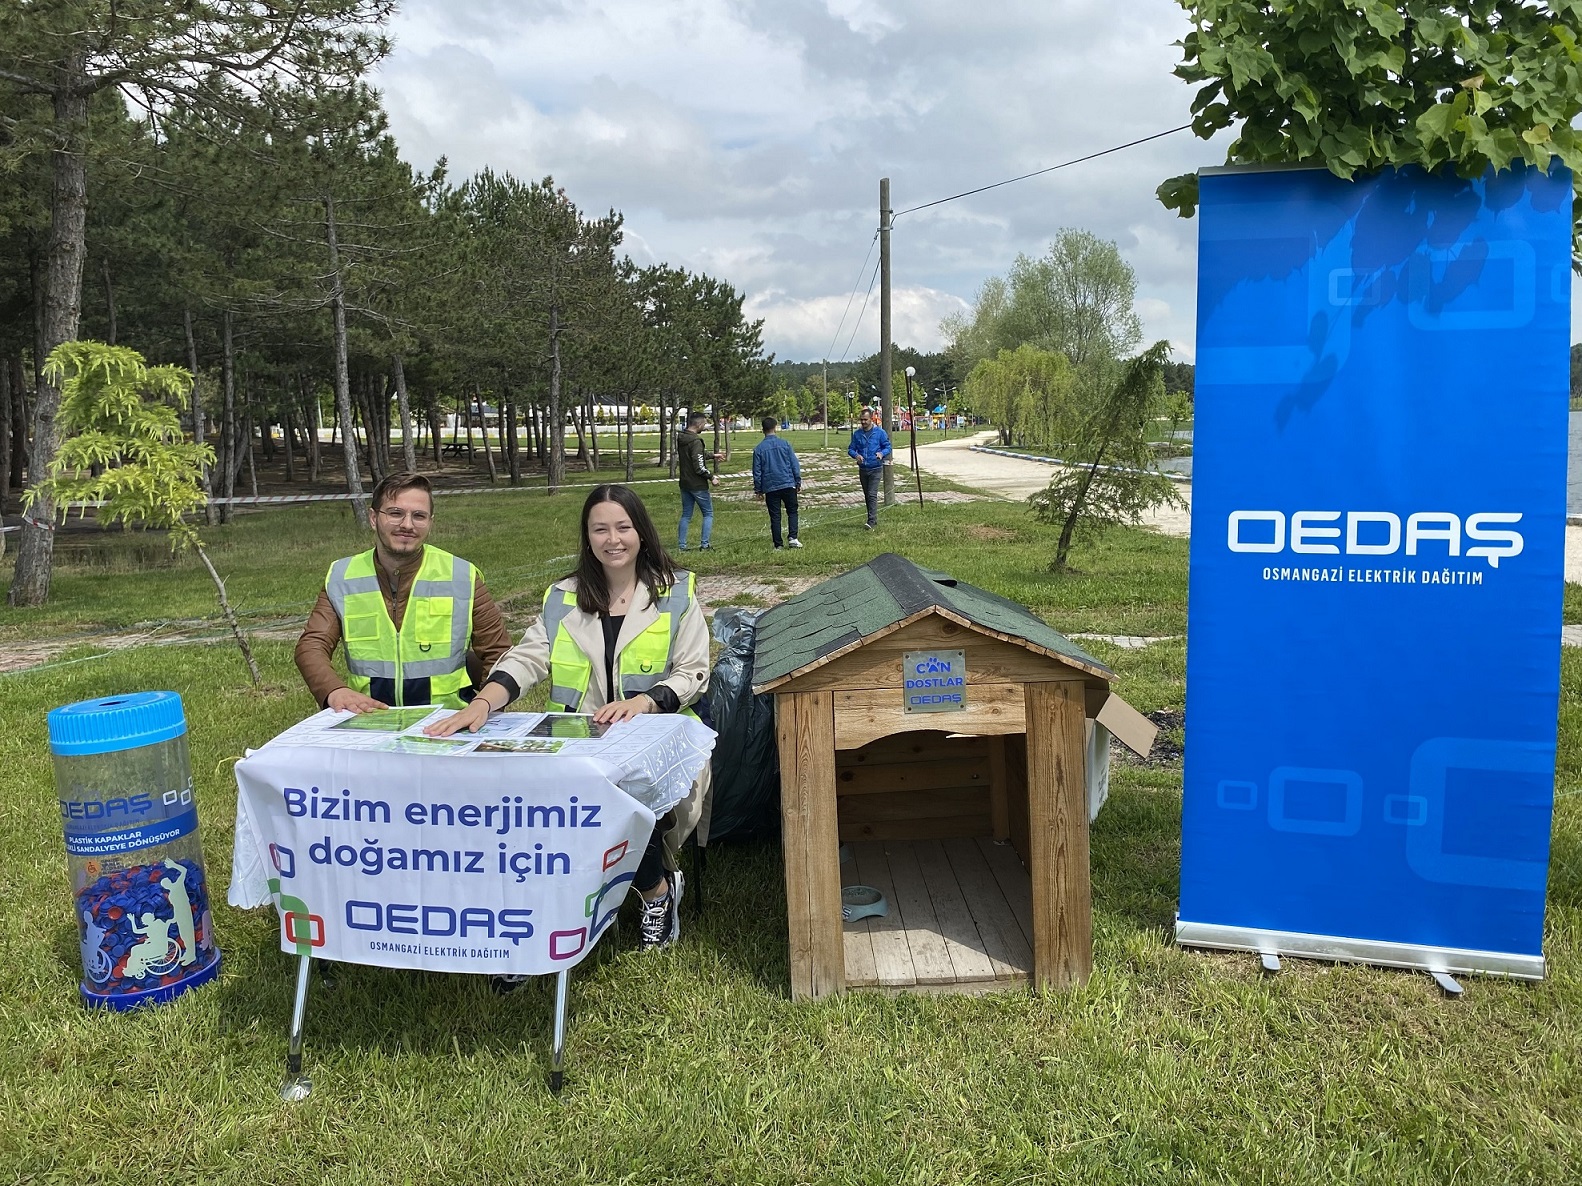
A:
(558, 1049)
(297, 1086)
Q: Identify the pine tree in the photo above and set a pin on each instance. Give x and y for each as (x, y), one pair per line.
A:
(201, 51)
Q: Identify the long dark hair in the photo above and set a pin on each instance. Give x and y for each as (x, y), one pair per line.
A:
(654, 566)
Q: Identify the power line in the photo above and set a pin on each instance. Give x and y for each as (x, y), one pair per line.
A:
(1037, 173)
(860, 312)
(953, 197)
(853, 297)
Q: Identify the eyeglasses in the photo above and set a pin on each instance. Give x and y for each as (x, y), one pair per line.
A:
(394, 515)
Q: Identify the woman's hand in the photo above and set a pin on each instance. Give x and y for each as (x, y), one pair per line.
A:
(470, 718)
(625, 710)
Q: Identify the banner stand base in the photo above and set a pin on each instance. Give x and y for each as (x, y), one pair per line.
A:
(1447, 984)
(1434, 960)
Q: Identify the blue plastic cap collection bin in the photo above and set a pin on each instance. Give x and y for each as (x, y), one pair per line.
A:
(140, 897)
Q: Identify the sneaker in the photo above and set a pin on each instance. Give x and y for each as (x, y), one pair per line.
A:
(793, 542)
(660, 925)
(705, 547)
(870, 526)
(777, 547)
(505, 985)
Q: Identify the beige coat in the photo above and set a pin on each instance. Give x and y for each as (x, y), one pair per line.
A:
(528, 663)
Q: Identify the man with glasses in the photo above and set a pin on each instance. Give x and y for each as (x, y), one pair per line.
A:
(418, 625)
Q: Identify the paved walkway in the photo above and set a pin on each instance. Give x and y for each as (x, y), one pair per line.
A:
(1013, 478)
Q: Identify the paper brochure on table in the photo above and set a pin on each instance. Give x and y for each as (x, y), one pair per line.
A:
(650, 753)
(401, 730)
(505, 724)
(390, 847)
(385, 720)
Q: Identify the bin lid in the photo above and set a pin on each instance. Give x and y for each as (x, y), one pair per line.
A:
(113, 723)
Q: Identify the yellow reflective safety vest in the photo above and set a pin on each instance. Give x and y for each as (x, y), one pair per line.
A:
(643, 662)
(426, 661)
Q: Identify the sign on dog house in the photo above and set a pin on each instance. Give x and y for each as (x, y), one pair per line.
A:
(944, 737)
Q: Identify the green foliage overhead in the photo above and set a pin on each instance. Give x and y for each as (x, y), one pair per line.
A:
(1373, 83)
(195, 50)
(124, 445)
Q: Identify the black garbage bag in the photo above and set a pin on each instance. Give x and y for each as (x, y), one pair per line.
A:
(746, 763)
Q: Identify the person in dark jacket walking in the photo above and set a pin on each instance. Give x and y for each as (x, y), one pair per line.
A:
(696, 479)
(870, 446)
(777, 478)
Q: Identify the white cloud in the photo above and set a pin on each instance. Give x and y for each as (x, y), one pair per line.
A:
(863, 17)
(846, 326)
(746, 138)
(915, 314)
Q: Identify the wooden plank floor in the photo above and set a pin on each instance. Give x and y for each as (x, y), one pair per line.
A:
(960, 916)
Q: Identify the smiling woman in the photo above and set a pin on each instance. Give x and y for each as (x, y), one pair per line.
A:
(620, 549)
(622, 635)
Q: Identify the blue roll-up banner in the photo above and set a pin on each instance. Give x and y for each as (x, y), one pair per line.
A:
(1378, 531)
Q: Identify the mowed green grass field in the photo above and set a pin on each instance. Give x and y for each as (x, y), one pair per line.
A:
(693, 1066)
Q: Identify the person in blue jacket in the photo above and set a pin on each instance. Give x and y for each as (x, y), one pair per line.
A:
(777, 478)
(870, 446)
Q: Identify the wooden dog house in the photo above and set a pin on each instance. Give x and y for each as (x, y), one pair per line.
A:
(942, 734)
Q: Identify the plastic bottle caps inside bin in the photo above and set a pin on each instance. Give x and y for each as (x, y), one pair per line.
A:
(139, 894)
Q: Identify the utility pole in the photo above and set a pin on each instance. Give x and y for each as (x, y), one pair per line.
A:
(885, 400)
(826, 405)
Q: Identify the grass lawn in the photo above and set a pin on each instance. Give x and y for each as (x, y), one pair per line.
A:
(693, 1065)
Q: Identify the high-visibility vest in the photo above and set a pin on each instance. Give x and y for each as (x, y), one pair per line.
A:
(643, 662)
(425, 662)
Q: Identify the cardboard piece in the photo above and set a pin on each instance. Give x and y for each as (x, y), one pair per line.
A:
(1133, 730)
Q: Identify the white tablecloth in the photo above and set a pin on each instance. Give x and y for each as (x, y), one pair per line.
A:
(467, 859)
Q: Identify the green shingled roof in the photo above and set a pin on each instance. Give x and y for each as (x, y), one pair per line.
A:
(845, 609)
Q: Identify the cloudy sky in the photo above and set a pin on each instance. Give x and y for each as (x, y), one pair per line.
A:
(746, 139)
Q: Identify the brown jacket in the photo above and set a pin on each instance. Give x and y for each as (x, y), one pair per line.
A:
(322, 635)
